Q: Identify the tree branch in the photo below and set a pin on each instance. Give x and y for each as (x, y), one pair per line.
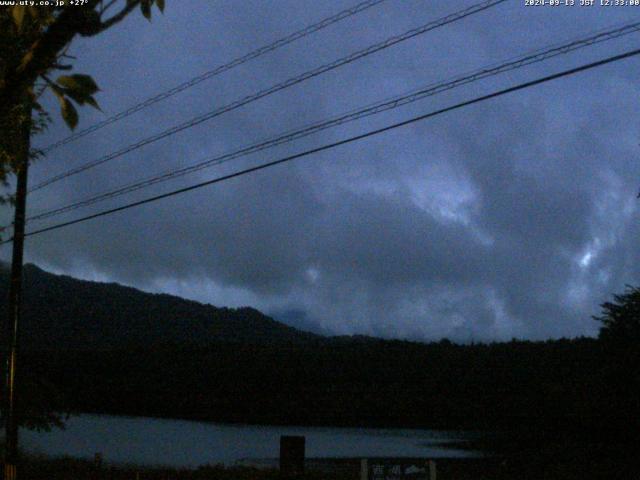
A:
(43, 53)
(106, 7)
(60, 66)
(118, 17)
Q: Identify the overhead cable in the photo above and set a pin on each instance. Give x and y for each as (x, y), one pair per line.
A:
(454, 17)
(361, 7)
(349, 140)
(526, 59)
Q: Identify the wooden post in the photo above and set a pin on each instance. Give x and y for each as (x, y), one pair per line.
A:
(97, 466)
(291, 455)
(14, 304)
(364, 469)
(432, 470)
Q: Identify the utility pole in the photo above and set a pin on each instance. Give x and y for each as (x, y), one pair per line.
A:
(15, 299)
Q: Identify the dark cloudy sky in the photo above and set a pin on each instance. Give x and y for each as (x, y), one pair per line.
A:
(511, 218)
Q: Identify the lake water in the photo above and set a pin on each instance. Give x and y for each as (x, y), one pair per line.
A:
(179, 443)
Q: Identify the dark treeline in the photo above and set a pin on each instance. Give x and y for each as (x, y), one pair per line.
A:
(559, 409)
(346, 382)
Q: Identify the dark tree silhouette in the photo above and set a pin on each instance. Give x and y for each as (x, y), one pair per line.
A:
(619, 381)
(621, 319)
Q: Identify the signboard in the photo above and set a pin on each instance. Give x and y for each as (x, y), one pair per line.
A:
(397, 469)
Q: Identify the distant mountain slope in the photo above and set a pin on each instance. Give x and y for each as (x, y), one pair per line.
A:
(62, 312)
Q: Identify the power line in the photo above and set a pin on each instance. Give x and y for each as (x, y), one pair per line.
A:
(433, 89)
(361, 7)
(477, 8)
(378, 131)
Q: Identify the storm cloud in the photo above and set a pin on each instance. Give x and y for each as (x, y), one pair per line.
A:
(515, 217)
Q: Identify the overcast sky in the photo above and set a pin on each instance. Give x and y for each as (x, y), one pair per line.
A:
(516, 217)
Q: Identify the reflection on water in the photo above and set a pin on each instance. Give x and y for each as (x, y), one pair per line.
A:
(180, 443)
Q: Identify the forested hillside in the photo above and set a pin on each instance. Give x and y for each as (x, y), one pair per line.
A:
(63, 313)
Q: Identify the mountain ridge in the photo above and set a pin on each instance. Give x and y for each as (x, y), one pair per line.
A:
(60, 311)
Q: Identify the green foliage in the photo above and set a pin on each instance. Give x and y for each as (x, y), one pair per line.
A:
(82, 85)
(18, 16)
(25, 17)
(79, 88)
(33, 44)
(69, 113)
(145, 8)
